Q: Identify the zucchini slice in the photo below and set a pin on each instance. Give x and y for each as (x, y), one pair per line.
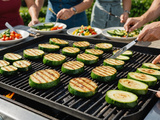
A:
(11, 57)
(33, 54)
(95, 52)
(104, 46)
(4, 63)
(73, 67)
(59, 42)
(151, 72)
(128, 53)
(133, 86)
(8, 70)
(48, 47)
(121, 99)
(82, 87)
(122, 57)
(22, 65)
(104, 73)
(82, 45)
(151, 66)
(87, 58)
(118, 64)
(148, 79)
(44, 79)
(53, 59)
(70, 51)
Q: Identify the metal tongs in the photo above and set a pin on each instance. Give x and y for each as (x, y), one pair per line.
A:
(54, 14)
(10, 27)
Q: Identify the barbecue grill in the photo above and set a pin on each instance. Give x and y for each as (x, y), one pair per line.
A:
(59, 99)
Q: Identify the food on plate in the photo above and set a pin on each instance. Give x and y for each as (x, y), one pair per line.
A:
(44, 79)
(82, 45)
(84, 31)
(104, 46)
(12, 57)
(147, 79)
(4, 63)
(33, 54)
(128, 53)
(87, 58)
(122, 57)
(59, 42)
(22, 65)
(136, 87)
(95, 52)
(118, 64)
(53, 59)
(8, 70)
(151, 66)
(104, 73)
(73, 67)
(48, 47)
(121, 99)
(82, 87)
(70, 51)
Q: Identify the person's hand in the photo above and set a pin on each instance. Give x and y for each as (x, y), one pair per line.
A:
(158, 94)
(124, 17)
(33, 22)
(65, 14)
(156, 60)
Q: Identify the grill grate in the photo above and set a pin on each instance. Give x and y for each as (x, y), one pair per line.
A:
(58, 97)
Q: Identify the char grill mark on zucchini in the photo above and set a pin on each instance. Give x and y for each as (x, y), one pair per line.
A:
(48, 47)
(73, 65)
(3, 63)
(71, 49)
(57, 41)
(11, 57)
(33, 52)
(95, 52)
(8, 70)
(151, 66)
(87, 56)
(22, 63)
(104, 46)
(81, 44)
(55, 57)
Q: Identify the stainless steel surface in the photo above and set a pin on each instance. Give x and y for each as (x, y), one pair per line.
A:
(10, 27)
(152, 90)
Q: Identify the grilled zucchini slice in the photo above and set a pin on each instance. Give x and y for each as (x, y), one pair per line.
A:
(8, 70)
(22, 65)
(59, 42)
(151, 66)
(53, 59)
(118, 64)
(95, 52)
(128, 53)
(148, 79)
(87, 58)
(82, 45)
(82, 87)
(73, 67)
(104, 73)
(104, 46)
(136, 87)
(11, 57)
(3, 63)
(48, 47)
(70, 51)
(44, 79)
(121, 99)
(33, 54)
(122, 57)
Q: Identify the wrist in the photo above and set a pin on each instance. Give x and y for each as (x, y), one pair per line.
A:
(74, 10)
(127, 11)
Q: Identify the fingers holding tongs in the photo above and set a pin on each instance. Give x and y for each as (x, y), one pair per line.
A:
(54, 14)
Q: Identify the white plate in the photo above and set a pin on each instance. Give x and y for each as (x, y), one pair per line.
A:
(24, 34)
(49, 32)
(70, 31)
(104, 32)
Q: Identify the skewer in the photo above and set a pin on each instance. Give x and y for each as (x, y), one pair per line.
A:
(152, 90)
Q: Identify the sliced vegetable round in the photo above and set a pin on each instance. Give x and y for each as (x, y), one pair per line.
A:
(95, 52)
(33, 54)
(44, 79)
(133, 86)
(3, 63)
(104, 73)
(11, 57)
(8, 70)
(122, 99)
(82, 45)
(148, 79)
(104, 46)
(22, 65)
(70, 51)
(151, 66)
(82, 87)
(128, 53)
(122, 57)
(59, 42)
(48, 47)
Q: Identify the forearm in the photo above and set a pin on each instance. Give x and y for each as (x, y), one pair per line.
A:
(127, 5)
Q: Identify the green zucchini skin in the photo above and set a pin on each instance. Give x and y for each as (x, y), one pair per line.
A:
(70, 52)
(59, 42)
(4, 63)
(95, 52)
(118, 67)
(37, 54)
(151, 66)
(8, 73)
(104, 73)
(82, 45)
(128, 53)
(122, 57)
(48, 47)
(22, 65)
(12, 57)
(104, 46)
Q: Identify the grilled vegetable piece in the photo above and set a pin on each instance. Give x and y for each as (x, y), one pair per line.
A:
(8, 70)
(128, 53)
(73, 67)
(70, 51)
(59, 42)
(151, 66)
(87, 58)
(48, 25)
(95, 52)
(104, 73)
(148, 79)
(122, 57)
(121, 99)
(33, 54)
(133, 86)
(82, 45)
(11, 57)
(118, 64)
(82, 87)
(44, 79)
(53, 59)
(151, 72)
(4, 63)
(48, 47)
(22, 65)
(104, 46)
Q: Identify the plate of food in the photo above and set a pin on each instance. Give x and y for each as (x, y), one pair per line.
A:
(84, 31)
(119, 33)
(48, 28)
(8, 37)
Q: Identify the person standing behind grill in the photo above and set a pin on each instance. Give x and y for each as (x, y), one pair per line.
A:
(102, 20)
